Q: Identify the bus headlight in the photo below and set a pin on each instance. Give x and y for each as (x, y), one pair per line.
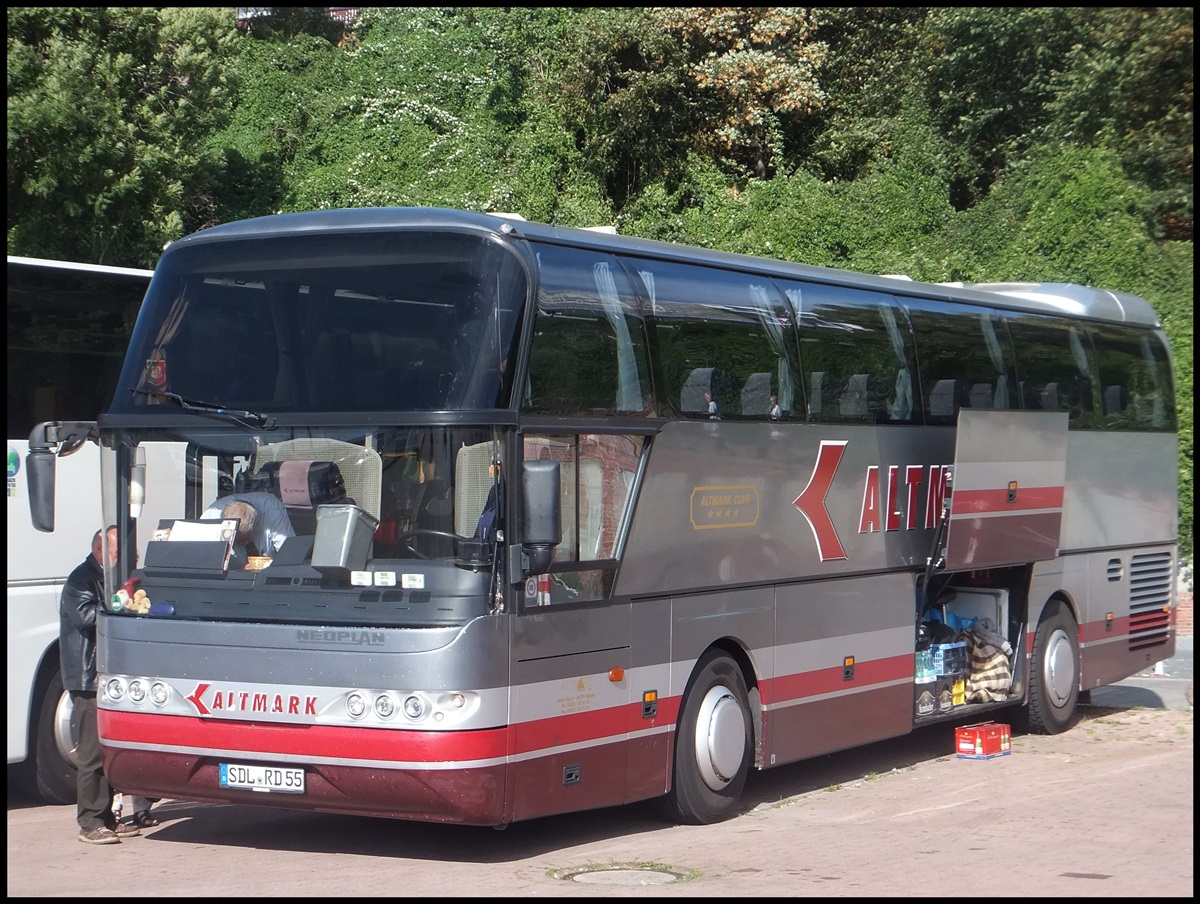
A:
(114, 689)
(356, 705)
(159, 693)
(137, 690)
(385, 706)
(415, 706)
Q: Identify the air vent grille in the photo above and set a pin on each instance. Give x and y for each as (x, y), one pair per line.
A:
(1150, 599)
(1116, 570)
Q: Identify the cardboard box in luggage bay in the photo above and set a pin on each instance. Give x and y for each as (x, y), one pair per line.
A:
(983, 741)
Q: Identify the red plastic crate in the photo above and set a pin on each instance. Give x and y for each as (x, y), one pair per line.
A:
(983, 741)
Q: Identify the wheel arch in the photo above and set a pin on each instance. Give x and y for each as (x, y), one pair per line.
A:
(1067, 601)
(48, 667)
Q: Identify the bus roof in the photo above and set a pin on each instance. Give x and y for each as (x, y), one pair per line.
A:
(1066, 299)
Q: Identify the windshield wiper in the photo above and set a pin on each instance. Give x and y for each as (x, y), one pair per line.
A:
(237, 415)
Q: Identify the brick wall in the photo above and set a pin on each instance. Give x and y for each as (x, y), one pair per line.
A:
(1183, 624)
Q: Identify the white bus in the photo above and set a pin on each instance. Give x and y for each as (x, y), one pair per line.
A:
(68, 327)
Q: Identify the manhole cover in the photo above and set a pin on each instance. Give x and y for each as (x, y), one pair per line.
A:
(622, 877)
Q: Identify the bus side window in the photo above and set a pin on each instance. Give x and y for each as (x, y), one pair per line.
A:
(598, 473)
(966, 359)
(1055, 367)
(588, 354)
(857, 351)
(1135, 371)
(725, 333)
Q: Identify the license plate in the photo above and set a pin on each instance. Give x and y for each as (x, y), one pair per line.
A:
(254, 777)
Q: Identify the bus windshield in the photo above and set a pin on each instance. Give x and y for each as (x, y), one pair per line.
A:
(391, 527)
(329, 323)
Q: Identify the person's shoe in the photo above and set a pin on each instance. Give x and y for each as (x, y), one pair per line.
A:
(99, 835)
(143, 820)
(126, 830)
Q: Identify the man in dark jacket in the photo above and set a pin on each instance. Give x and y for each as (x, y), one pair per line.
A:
(77, 608)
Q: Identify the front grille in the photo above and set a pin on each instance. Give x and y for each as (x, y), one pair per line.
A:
(1150, 600)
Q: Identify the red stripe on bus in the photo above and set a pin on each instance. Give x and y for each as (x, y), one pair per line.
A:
(790, 688)
(354, 742)
(610, 724)
(339, 741)
(964, 502)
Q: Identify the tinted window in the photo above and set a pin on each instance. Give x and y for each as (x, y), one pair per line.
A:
(1136, 384)
(857, 353)
(1055, 367)
(965, 359)
(597, 473)
(588, 353)
(67, 334)
(332, 323)
(727, 335)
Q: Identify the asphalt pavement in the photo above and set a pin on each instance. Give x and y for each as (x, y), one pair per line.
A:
(1103, 810)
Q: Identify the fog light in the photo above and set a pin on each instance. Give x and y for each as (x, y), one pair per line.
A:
(414, 706)
(114, 690)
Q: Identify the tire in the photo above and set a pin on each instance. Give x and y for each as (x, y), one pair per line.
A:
(713, 745)
(48, 772)
(1053, 672)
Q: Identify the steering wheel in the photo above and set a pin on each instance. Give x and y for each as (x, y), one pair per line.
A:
(410, 535)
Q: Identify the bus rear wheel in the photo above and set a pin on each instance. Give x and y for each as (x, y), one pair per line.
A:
(713, 744)
(48, 772)
(1054, 672)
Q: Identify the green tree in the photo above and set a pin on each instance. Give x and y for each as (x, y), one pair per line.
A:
(284, 23)
(610, 83)
(748, 67)
(869, 84)
(949, 144)
(989, 75)
(1130, 87)
(412, 112)
(108, 113)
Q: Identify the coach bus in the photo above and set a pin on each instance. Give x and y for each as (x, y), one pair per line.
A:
(68, 329)
(531, 572)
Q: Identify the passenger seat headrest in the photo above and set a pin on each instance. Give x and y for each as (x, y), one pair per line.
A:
(304, 484)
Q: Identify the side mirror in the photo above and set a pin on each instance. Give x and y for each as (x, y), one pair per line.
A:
(39, 464)
(541, 515)
(39, 477)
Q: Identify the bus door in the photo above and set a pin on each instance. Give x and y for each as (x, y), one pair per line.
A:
(570, 704)
(1006, 502)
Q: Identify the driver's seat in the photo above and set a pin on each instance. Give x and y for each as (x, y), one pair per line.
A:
(435, 511)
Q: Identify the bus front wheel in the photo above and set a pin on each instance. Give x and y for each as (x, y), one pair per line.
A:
(1054, 672)
(713, 744)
